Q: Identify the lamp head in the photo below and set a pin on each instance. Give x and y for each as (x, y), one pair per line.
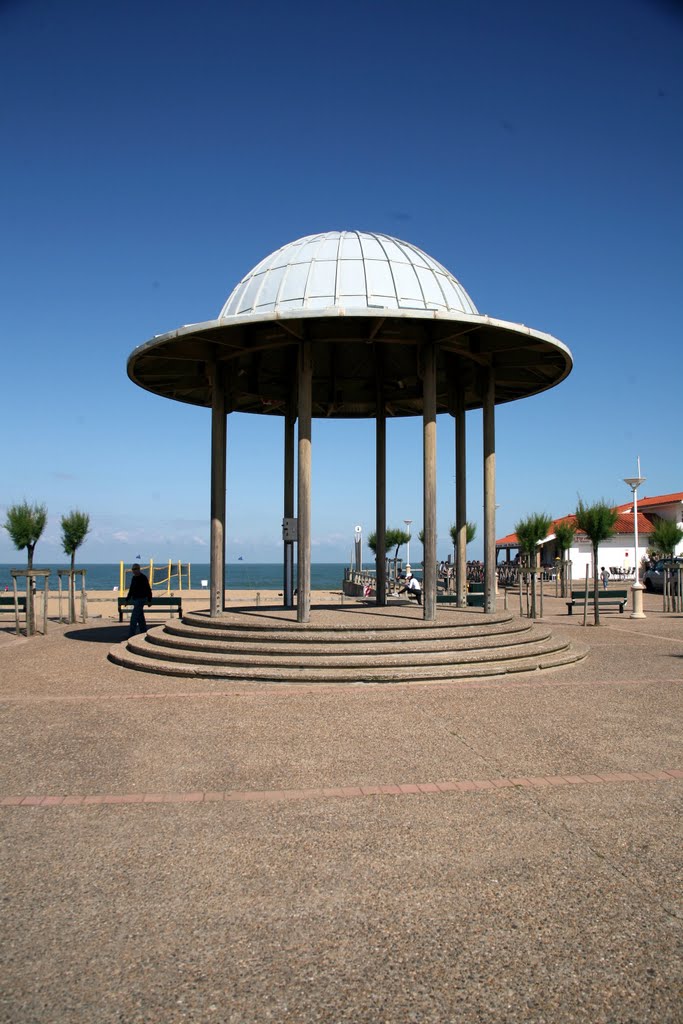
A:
(634, 481)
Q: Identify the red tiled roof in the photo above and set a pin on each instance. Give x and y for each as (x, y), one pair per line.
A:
(662, 499)
(624, 524)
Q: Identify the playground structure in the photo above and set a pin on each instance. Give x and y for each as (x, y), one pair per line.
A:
(172, 570)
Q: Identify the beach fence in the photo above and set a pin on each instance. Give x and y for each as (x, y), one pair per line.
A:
(161, 576)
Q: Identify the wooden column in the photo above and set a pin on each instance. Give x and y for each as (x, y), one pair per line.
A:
(381, 493)
(489, 416)
(288, 508)
(429, 479)
(460, 497)
(218, 457)
(305, 404)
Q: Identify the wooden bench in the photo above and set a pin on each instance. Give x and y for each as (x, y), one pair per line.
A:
(162, 603)
(7, 603)
(605, 597)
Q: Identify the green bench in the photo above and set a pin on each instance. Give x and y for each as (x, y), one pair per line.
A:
(473, 600)
(172, 604)
(7, 603)
(605, 597)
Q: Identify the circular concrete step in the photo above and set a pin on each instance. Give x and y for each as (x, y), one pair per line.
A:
(431, 673)
(346, 663)
(348, 647)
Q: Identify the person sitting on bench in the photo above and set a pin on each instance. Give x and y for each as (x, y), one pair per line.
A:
(412, 587)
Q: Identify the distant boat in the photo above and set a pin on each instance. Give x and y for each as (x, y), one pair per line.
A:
(240, 559)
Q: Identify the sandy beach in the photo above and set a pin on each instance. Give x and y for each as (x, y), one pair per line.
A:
(102, 604)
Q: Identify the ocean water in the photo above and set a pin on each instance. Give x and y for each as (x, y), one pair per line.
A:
(238, 575)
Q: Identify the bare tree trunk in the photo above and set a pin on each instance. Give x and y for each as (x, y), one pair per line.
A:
(30, 611)
(596, 600)
(72, 585)
(534, 566)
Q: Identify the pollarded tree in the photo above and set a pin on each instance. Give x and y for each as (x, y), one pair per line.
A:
(665, 537)
(25, 524)
(564, 537)
(470, 534)
(530, 532)
(597, 522)
(393, 538)
(75, 528)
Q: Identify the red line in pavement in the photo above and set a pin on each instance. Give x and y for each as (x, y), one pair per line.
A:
(343, 792)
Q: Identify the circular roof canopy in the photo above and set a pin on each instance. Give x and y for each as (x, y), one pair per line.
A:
(368, 303)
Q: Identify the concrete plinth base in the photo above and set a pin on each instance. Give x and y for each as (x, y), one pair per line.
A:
(637, 591)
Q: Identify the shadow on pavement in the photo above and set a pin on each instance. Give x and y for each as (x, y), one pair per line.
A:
(99, 634)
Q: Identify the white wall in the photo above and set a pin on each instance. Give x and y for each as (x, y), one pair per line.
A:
(616, 551)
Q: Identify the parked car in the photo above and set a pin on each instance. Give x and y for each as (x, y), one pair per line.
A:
(653, 578)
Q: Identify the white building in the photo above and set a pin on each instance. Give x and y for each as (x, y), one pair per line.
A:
(618, 552)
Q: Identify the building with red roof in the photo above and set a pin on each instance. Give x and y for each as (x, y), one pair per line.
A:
(618, 552)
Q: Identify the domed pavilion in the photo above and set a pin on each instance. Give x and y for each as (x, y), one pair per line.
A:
(348, 324)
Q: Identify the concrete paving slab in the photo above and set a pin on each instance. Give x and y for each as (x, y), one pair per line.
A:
(507, 850)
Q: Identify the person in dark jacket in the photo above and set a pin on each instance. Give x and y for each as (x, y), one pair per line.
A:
(139, 594)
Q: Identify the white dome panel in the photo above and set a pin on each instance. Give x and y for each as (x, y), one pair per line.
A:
(352, 270)
(350, 247)
(352, 276)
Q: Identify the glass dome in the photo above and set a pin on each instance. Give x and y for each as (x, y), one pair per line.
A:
(347, 270)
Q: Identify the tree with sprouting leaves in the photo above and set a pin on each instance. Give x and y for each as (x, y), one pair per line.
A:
(393, 538)
(75, 528)
(530, 532)
(564, 538)
(25, 524)
(665, 537)
(597, 521)
(470, 534)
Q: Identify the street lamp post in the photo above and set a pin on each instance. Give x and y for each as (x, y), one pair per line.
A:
(634, 483)
(408, 522)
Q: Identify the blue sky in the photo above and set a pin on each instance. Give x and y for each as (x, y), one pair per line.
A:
(153, 153)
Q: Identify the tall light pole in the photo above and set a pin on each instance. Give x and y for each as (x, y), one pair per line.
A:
(634, 483)
(408, 522)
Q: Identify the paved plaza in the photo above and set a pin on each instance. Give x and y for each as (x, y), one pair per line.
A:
(480, 851)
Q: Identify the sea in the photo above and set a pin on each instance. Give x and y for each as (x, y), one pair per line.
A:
(238, 575)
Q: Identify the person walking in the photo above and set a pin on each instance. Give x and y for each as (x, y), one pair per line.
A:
(604, 577)
(139, 594)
